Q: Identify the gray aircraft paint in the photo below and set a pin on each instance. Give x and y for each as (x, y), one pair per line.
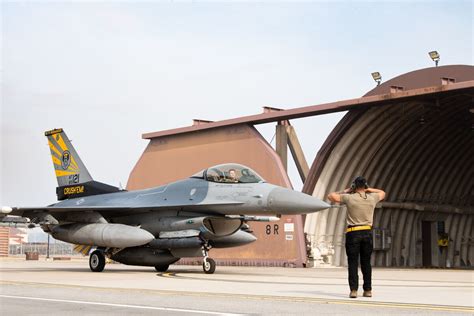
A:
(212, 198)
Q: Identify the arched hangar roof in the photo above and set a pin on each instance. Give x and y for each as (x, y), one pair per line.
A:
(420, 151)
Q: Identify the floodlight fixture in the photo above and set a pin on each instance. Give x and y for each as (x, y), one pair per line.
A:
(435, 57)
(377, 77)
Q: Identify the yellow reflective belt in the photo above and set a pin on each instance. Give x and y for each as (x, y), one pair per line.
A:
(351, 229)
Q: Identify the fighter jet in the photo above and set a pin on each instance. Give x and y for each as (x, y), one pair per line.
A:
(158, 226)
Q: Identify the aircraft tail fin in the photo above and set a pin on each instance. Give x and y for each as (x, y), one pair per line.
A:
(74, 180)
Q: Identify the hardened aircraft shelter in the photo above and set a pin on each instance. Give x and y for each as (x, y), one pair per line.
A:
(413, 136)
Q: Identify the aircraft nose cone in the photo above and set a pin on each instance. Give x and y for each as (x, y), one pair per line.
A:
(285, 201)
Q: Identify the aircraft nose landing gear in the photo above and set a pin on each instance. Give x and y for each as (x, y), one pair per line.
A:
(208, 264)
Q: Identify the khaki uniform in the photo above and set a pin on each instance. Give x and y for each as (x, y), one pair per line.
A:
(360, 208)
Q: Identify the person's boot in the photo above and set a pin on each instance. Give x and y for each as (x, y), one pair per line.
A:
(353, 294)
(367, 293)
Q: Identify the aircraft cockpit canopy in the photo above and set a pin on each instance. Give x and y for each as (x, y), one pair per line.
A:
(229, 173)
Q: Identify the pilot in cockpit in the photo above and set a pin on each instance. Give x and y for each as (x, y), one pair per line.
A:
(229, 173)
(232, 176)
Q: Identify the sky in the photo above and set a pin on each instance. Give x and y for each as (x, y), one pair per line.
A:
(109, 71)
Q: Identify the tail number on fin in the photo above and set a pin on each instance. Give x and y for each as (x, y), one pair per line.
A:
(74, 178)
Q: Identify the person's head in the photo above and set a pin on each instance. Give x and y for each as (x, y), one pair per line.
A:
(232, 173)
(359, 183)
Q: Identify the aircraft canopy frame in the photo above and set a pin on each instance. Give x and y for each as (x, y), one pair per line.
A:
(229, 173)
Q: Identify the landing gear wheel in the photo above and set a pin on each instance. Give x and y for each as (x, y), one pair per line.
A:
(97, 261)
(209, 266)
(162, 268)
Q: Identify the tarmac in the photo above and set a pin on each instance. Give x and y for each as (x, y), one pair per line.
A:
(59, 287)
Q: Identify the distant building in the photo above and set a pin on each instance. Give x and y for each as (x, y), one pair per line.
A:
(4, 241)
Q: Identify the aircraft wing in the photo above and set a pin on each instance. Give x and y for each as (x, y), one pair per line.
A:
(29, 211)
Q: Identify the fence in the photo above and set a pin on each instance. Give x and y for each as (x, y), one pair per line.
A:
(56, 248)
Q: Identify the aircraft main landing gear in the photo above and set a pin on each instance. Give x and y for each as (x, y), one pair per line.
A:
(97, 261)
(208, 264)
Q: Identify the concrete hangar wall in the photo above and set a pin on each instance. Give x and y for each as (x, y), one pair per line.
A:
(412, 136)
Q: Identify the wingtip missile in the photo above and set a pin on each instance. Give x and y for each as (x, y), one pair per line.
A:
(6, 210)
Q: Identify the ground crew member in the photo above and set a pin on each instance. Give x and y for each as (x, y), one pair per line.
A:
(360, 201)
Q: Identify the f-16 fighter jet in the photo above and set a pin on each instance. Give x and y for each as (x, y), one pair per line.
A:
(158, 226)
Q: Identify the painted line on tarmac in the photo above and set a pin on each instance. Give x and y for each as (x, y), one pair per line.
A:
(199, 278)
(168, 309)
(256, 297)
